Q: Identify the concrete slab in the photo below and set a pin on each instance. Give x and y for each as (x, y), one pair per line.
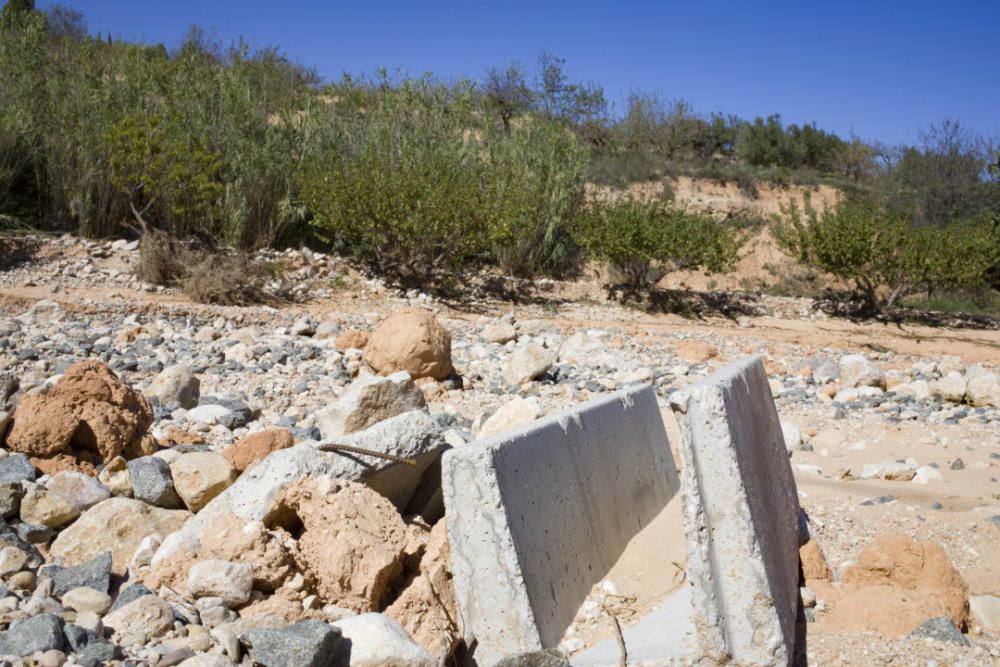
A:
(740, 518)
(661, 637)
(538, 514)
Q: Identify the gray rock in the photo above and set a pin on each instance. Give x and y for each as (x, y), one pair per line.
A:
(39, 633)
(368, 401)
(90, 647)
(130, 594)
(547, 658)
(10, 500)
(9, 384)
(95, 573)
(304, 644)
(15, 469)
(940, 629)
(152, 483)
(176, 383)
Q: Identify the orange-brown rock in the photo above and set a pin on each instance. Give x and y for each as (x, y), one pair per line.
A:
(257, 446)
(64, 462)
(814, 564)
(88, 409)
(427, 608)
(411, 340)
(352, 540)
(695, 351)
(230, 538)
(896, 585)
(352, 339)
(177, 436)
(238, 540)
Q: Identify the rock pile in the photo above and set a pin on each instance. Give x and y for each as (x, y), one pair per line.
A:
(114, 548)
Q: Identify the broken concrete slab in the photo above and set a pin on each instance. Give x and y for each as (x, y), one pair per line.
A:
(412, 435)
(740, 517)
(538, 514)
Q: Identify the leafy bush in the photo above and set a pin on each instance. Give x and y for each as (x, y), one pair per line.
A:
(402, 186)
(643, 240)
(161, 174)
(876, 248)
(412, 183)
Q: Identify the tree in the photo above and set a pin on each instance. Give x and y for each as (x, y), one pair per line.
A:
(942, 178)
(875, 247)
(64, 22)
(556, 97)
(507, 93)
(856, 160)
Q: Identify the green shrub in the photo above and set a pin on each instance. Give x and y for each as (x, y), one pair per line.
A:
(875, 248)
(163, 175)
(643, 240)
(402, 186)
(412, 182)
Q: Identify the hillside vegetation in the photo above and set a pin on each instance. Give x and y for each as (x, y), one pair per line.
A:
(423, 181)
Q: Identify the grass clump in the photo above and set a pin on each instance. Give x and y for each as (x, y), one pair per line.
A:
(204, 273)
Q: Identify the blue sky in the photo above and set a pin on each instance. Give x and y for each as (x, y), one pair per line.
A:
(882, 68)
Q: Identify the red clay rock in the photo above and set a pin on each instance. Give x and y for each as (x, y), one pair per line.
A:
(411, 340)
(89, 409)
(814, 564)
(352, 339)
(695, 351)
(257, 446)
(427, 608)
(896, 585)
(352, 541)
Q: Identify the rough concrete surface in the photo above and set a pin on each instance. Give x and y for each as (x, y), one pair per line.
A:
(740, 517)
(538, 514)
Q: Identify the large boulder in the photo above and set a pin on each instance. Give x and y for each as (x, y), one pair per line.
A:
(411, 340)
(309, 643)
(224, 579)
(426, 608)
(897, 585)
(200, 476)
(88, 410)
(528, 363)
(515, 412)
(118, 525)
(368, 401)
(145, 618)
(951, 387)
(983, 389)
(375, 640)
